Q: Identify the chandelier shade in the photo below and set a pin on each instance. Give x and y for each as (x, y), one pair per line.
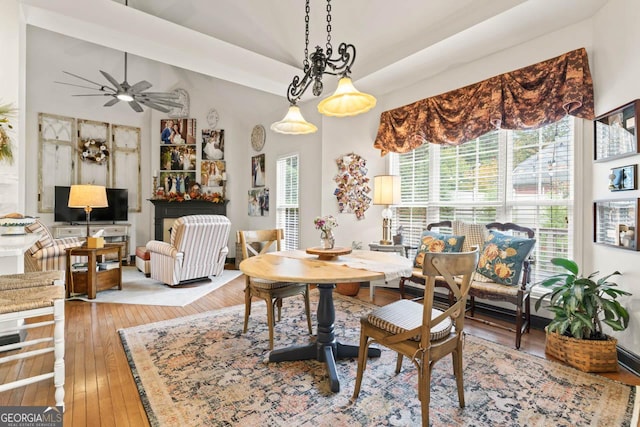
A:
(293, 123)
(346, 101)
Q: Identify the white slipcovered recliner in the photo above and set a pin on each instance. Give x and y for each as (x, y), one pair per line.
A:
(197, 250)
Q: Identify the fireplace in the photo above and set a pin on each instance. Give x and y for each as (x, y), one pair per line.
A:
(165, 209)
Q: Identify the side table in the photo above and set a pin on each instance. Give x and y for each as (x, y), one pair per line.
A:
(402, 250)
(91, 281)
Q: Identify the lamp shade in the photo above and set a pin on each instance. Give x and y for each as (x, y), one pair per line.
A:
(386, 190)
(346, 101)
(93, 196)
(293, 123)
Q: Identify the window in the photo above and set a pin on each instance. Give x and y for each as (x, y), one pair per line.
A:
(287, 207)
(525, 177)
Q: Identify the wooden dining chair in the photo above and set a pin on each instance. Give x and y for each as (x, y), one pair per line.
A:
(255, 242)
(420, 332)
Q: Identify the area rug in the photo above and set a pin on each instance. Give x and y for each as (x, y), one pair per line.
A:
(201, 370)
(138, 289)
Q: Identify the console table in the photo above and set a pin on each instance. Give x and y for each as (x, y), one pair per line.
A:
(113, 233)
(166, 209)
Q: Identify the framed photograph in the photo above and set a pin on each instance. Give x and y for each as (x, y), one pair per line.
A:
(615, 133)
(212, 144)
(623, 178)
(178, 158)
(178, 131)
(258, 202)
(213, 175)
(257, 170)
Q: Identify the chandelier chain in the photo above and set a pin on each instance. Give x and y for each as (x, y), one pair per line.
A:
(329, 49)
(305, 62)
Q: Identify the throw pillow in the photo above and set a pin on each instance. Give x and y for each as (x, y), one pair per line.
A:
(475, 234)
(435, 242)
(502, 257)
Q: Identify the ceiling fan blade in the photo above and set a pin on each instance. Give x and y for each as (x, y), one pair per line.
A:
(163, 102)
(93, 94)
(167, 95)
(140, 86)
(111, 80)
(153, 105)
(136, 107)
(112, 102)
(102, 87)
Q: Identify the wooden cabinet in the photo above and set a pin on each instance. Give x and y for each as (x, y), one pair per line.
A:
(113, 233)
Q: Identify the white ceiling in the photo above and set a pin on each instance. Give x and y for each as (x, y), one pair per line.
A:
(260, 43)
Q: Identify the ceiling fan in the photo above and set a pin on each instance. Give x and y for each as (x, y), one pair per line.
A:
(133, 94)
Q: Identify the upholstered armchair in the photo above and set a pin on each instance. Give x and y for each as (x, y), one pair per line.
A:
(48, 253)
(197, 250)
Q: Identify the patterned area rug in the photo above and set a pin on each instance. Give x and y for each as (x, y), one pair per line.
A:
(138, 289)
(201, 370)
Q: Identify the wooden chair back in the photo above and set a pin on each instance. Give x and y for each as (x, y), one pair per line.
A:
(447, 266)
(256, 242)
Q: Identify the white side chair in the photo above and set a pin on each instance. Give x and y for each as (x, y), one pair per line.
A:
(29, 296)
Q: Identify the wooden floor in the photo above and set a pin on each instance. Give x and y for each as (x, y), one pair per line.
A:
(99, 387)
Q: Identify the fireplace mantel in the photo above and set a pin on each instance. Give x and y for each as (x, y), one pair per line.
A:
(174, 209)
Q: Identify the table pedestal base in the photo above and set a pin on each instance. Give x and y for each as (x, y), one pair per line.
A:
(326, 349)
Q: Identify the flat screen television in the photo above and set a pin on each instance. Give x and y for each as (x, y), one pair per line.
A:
(118, 199)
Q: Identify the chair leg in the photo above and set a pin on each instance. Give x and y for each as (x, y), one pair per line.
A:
(58, 351)
(247, 308)
(457, 371)
(279, 305)
(307, 309)
(270, 321)
(401, 287)
(399, 363)
(472, 305)
(362, 362)
(518, 324)
(424, 387)
(527, 311)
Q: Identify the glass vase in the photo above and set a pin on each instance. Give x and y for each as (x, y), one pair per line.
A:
(327, 241)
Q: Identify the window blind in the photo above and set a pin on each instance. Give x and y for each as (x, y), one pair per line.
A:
(287, 202)
(525, 177)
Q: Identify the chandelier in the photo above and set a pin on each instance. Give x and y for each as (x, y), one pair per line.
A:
(346, 100)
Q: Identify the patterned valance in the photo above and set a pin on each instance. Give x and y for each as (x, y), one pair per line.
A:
(527, 98)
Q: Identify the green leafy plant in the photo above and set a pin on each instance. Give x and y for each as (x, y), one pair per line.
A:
(6, 112)
(579, 303)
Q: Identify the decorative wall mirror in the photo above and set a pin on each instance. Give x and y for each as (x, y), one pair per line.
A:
(616, 223)
(615, 132)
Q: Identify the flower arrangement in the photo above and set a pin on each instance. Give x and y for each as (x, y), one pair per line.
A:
(6, 112)
(181, 197)
(325, 223)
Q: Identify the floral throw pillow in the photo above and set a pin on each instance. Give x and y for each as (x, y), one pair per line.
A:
(435, 242)
(502, 257)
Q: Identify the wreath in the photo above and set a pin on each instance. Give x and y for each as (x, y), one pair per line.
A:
(94, 151)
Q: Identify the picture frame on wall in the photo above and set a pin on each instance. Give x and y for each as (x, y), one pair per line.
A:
(258, 202)
(257, 171)
(212, 144)
(623, 178)
(615, 133)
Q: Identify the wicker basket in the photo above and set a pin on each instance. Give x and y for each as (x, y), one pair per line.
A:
(586, 355)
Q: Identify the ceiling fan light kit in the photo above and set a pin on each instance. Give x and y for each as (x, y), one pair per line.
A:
(346, 101)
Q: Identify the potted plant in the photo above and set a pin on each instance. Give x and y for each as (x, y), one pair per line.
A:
(580, 305)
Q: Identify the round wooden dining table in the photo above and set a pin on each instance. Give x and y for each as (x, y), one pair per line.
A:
(299, 267)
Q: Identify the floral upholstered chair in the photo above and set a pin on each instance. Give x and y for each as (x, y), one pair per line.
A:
(197, 249)
(48, 253)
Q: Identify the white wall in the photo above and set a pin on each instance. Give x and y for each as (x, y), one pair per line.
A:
(616, 66)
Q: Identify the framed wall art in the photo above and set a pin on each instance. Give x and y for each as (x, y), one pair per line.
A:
(615, 132)
(623, 178)
(257, 170)
(616, 223)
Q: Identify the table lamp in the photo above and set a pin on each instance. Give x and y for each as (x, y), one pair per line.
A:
(386, 191)
(88, 197)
